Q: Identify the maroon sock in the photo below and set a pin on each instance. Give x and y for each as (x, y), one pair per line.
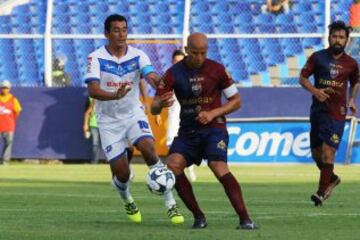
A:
(233, 191)
(185, 192)
(319, 164)
(325, 176)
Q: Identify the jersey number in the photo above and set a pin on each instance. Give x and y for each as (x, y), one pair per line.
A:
(143, 125)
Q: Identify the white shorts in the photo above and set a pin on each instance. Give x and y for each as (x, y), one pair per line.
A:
(115, 137)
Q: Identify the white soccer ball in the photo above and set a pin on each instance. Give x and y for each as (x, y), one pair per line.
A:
(160, 180)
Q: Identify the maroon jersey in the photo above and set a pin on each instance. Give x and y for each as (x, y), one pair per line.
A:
(197, 90)
(334, 73)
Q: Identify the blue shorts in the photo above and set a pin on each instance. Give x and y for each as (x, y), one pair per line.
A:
(324, 129)
(209, 143)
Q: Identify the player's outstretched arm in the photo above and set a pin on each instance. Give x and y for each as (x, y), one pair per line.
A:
(96, 92)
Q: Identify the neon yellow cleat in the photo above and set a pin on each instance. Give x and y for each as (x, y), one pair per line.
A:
(133, 212)
(175, 216)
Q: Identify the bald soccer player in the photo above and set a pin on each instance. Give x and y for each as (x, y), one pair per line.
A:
(198, 83)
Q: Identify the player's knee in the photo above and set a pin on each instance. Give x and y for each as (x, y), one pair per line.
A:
(175, 166)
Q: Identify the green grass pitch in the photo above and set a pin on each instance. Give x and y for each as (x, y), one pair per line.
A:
(78, 202)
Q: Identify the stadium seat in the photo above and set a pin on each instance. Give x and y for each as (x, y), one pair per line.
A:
(242, 28)
(199, 7)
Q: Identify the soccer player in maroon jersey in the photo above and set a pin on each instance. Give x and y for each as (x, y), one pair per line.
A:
(333, 69)
(198, 84)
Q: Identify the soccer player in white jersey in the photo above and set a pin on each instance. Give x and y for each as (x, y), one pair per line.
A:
(174, 116)
(113, 77)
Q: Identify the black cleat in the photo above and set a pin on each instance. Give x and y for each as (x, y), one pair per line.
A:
(248, 226)
(200, 223)
(336, 181)
(317, 199)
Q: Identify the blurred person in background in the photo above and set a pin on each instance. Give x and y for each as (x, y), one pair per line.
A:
(276, 6)
(174, 117)
(59, 76)
(91, 130)
(10, 109)
(354, 16)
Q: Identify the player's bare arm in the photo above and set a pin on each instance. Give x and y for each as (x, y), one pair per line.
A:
(233, 104)
(159, 102)
(153, 79)
(96, 92)
(321, 94)
(353, 91)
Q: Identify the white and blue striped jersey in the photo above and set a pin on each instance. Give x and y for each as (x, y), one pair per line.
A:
(111, 72)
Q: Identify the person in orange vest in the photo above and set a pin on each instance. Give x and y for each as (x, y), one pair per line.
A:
(10, 109)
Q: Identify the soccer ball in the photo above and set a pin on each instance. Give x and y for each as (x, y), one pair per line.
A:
(160, 180)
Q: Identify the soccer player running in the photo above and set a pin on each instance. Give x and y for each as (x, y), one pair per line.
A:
(333, 69)
(198, 84)
(113, 77)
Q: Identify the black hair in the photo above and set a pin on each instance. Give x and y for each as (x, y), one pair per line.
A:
(177, 52)
(113, 18)
(340, 25)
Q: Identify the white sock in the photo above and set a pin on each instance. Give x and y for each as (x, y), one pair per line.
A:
(158, 164)
(123, 189)
(169, 199)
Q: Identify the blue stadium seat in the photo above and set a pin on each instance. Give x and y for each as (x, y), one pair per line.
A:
(301, 7)
(160, 7)
(205, 28)
(80, 8)
(240, 7)
(264, 19)
(220, 7)
(61, 8)
(162, 18)
(275, 58)
(142, 7)
(120, 8)
(224, 28)
(142, 29)
(140, 19)
(266, 28)
(244, 29)
(5, 20)
(199, 6)
(242, 19)
(21, 29)
(162, 29)
(284, 19)
(308, 28)
(311, 42)
(288, 28)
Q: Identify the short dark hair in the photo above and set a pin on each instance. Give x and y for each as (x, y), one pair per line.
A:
(113, 18)
(178, 52)
(339, 25)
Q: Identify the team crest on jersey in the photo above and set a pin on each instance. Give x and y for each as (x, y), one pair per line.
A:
(221, 145)
(196, 88)
(198, 109)
(335, 138)
(334, 71)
